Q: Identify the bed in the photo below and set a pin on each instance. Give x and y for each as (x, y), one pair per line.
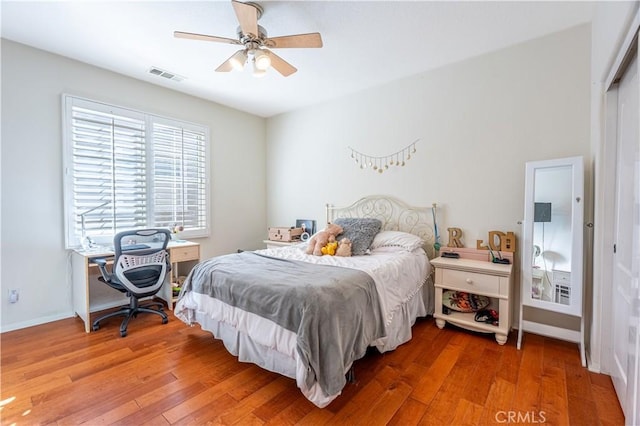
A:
(310, 317)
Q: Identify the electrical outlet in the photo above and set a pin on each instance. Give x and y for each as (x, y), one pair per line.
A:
(14, 296)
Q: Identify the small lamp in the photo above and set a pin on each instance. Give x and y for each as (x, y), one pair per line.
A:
(86, 241)
(542, 212)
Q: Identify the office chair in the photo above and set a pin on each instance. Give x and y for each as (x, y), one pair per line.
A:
(141, 266)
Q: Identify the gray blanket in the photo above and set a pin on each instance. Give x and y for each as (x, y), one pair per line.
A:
(334, 311)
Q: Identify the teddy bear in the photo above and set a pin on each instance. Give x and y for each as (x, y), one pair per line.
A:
(331, 246)
(344, 248)
(320, 239)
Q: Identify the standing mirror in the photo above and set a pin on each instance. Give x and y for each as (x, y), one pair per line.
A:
(551, 264)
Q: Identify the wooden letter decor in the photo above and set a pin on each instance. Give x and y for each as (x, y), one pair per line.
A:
(509, 242)
(499, 241)
(454, 237)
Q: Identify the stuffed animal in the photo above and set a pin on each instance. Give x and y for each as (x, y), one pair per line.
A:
(344, 248)
(331, 246)
(320, 239)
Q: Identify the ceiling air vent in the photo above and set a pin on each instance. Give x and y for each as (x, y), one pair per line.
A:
(166, 74)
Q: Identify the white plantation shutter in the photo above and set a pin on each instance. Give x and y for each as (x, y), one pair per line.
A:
(125, 169)
(108, 167)
(180, 175)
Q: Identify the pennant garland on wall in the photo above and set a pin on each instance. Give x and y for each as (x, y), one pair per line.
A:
(380, 164)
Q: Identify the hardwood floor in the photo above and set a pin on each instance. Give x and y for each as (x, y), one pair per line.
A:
(175, 374)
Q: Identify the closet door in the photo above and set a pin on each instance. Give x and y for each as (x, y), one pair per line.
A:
(626, 257)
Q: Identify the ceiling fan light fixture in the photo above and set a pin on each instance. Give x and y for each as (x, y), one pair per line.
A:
(238, 60)
(256, 43)
(257, 72)
(261, 59)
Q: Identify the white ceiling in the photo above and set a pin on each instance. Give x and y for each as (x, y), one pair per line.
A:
(365, 43)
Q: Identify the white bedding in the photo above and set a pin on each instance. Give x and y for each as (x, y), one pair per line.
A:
(401, 279)
(398, 274)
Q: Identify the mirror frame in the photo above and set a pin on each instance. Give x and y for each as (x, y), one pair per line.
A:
(577, 220)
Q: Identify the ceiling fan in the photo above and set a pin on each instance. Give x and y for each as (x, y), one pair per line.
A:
(257, 45)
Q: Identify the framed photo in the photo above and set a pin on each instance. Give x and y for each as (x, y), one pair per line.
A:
(308, 225)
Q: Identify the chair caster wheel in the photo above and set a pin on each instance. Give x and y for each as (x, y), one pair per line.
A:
(123, 334)
(95, 327)
(165, 320)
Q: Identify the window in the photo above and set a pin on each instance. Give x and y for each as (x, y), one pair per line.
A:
(126, 169)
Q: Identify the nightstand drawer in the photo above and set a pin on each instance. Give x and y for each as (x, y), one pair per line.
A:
(181, 254)
(275, 244)
(471, 282)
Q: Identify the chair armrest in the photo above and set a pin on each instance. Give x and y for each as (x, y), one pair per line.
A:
(100, 261)
(102, 264)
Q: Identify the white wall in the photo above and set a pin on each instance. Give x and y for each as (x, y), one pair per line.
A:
(479, 121)
(32, 256)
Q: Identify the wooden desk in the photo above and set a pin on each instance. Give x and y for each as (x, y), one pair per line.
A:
(91, 295)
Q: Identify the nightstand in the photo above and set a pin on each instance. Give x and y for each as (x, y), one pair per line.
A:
(275, 244)
(479, 277)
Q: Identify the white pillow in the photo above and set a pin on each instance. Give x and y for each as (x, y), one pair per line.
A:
(403, 240)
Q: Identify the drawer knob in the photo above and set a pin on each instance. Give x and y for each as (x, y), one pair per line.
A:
(469, 281)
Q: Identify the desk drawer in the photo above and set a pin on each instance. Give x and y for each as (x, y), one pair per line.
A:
(471, 282)
(181, 254)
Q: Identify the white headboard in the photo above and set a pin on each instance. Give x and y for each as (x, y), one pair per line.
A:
(395, 215)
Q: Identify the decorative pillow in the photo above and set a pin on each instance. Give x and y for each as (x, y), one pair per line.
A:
(360, 231)
(403, 240)
(464, 302)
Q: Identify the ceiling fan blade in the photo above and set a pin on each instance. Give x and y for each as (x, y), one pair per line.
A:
(225, 66)
(247, 17)
(280, 65)
(298, 40)
(236, 61)
(193, 36)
